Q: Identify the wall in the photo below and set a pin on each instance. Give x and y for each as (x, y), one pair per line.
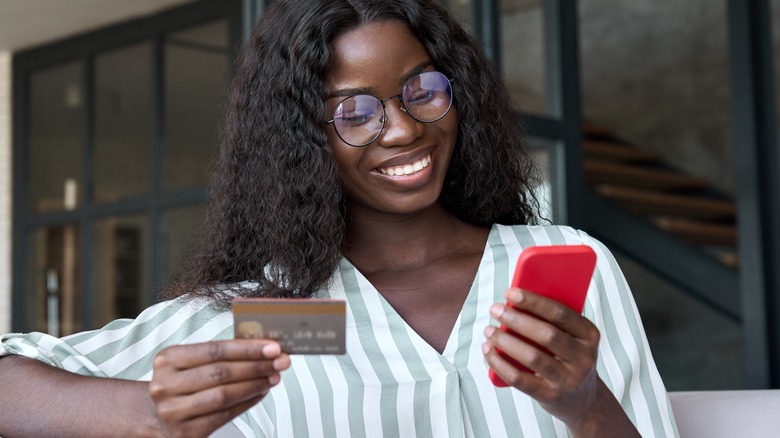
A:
(5, 192)
(657, 74)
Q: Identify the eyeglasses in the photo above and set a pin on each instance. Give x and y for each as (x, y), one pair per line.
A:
(360, 119)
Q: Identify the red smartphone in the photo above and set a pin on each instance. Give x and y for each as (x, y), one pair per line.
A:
(560, 272)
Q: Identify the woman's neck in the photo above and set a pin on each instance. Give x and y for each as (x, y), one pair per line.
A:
(378, 242)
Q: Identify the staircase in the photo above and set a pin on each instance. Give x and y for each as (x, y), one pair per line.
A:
(680, 204)
(675, 224)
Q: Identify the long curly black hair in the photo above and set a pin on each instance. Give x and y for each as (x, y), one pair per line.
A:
(276, 214)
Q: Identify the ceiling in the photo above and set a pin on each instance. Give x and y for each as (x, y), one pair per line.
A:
(28, 23)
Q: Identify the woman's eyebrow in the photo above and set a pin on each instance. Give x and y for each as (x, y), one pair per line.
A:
(347, 92)
(416, 70)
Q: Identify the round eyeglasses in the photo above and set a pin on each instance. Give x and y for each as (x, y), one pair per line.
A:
(360, 119)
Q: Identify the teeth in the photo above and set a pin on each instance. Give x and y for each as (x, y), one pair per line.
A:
(406, 169)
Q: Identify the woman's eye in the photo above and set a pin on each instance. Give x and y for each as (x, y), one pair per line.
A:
(421, 96)
(355, 119)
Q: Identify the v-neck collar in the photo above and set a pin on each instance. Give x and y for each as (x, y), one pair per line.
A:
(392, 315)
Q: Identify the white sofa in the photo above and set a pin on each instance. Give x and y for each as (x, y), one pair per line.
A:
(727, 414)
(699, 414)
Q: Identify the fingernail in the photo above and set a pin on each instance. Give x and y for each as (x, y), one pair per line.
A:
(489, 331)
(485, 348)
(515, 296)
(271, 349)
(273, 380)
(496, 310)
(281, 363)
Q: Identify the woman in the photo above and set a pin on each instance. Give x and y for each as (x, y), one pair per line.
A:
(370, 155)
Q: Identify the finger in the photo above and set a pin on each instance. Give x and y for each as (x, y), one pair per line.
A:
(541, 362)
(538, 331)
(510, 374)
(214, 374)
(212, 400)
(193, 355)
(552, 311)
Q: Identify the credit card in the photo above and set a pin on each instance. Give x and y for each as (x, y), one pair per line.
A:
(301, 326)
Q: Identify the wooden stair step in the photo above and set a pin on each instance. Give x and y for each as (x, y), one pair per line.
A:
(615, 169)
(615, 173)
(651, 201)
(591, 129)
(699, 232)
(617, 152)
(729, 259)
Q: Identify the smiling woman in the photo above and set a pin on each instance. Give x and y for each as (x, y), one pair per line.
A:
(371, 155)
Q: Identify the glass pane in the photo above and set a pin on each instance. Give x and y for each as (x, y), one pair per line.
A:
(544, 155)
(694, 348)
(196, 70)
(775, 5)
(657, 77)
(523, 58)
(53, 275)
(123, 123)
(180, 226)
(56, 138)
(657, 95)
(461, 9)
(121, 272)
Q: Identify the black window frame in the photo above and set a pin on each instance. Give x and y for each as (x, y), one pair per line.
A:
(83, 49)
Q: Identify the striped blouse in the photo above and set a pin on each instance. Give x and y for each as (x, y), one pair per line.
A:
(391, 383)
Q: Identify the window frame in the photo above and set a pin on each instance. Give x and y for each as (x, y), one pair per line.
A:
(83, 49)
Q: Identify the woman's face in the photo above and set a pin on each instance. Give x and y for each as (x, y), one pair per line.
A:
(377, 59)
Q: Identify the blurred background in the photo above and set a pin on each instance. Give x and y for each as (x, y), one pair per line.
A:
(654, 123)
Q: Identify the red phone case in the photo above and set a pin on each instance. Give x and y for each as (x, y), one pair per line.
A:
(560, 272)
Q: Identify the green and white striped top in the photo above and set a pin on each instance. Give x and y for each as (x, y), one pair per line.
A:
(391, 383)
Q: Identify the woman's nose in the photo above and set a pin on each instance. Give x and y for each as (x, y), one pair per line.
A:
(400, 128)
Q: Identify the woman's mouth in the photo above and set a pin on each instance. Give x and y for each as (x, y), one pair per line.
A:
(406, 169)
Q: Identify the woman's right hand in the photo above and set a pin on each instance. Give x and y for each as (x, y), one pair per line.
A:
(197, 388)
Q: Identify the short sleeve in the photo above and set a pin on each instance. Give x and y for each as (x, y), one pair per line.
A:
(125, 348)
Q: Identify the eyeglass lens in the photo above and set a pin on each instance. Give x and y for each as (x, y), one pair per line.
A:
(359, 119)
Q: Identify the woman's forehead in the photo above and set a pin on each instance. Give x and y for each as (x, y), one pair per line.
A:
(374, 54)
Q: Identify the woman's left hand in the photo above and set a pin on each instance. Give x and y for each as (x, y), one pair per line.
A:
(565, 383)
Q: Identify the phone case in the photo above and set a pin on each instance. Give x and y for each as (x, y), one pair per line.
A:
(560, 272)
